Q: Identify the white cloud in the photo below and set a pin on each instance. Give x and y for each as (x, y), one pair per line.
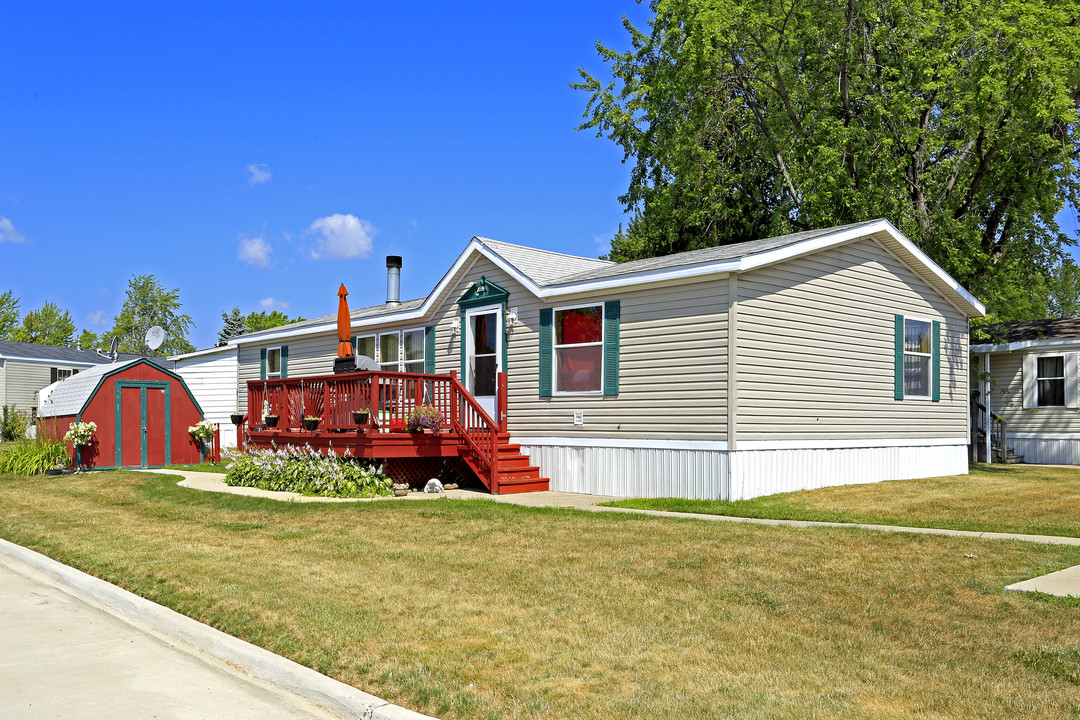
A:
(272, 303)
(8, 233)
(260, 173)
(96, 318)
(254, 251)
(343, 237)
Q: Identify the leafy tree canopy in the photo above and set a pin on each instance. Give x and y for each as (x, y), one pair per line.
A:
(88, 340)
(956, 121)
(9, 314)
(48, 326)
(257, 321)
(148, 304)
(234, 324)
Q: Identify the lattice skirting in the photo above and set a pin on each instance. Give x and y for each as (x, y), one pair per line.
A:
(417, 471)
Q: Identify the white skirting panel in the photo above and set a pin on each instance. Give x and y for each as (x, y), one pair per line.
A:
(633, 472)
(766, 472)
(1047, 451)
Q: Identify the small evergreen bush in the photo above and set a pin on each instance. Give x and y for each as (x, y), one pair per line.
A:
(306, 471)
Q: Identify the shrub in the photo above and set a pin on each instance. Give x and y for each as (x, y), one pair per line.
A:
(12, 424)
(306, 471)
(34, 458)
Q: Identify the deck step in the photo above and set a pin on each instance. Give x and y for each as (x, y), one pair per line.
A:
(509, 487)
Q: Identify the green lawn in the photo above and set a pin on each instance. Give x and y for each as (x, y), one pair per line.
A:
(475, 609)
(209, 467)
(997, 498)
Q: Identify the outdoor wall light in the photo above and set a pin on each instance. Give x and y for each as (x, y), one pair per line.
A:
(455, 325)
(511, 319)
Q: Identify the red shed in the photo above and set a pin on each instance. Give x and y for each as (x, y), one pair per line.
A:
(142, 413)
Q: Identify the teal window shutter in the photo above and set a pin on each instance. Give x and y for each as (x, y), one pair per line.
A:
(429, 349)
(284, 361)
(936, 362)
(898, 356)
(262, 364)
(612, 312)
(545, 351)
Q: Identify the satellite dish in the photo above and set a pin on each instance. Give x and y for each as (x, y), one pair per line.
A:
(363, 362)
(154, 337)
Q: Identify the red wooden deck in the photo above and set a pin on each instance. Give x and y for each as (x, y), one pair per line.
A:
(469, 434)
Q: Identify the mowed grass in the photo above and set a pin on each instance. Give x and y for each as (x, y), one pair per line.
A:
(1031, 499)
(474, 609)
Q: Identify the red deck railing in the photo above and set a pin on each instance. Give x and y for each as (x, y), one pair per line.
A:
(389, 398)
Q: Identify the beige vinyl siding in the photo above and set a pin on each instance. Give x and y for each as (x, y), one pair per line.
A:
(673, 362)
(1007, 395)
(24, 379)
(815, 350)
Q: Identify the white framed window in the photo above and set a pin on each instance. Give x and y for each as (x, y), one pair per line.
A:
(63, 373)
(1050, 379)
(578, 349)
(273, 363)
(398, 351)
(365, 345)
(918, 356)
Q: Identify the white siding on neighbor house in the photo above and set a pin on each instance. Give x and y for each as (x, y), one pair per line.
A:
(815, 350)
(211, 378)
(672, 362)
(755, 473)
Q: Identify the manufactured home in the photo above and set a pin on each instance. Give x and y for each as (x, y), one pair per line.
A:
(1027, 387)
(819, 358)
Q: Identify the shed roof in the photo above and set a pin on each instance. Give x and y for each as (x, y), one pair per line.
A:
(69, 396)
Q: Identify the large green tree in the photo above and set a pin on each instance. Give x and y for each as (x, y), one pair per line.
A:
(9, 314)
(233, 325)
(48, 326)
(956, 120)
(257, 321)
(148, 304)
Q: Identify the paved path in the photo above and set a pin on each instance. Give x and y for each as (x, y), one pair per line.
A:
(1066, 582)
(63, 657)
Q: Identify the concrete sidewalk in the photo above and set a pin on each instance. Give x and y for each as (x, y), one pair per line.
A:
(75, 646)
(64, 658)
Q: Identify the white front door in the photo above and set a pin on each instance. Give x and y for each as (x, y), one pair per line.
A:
(483, 355)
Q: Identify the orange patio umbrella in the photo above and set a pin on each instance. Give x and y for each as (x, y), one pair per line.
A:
(344, 324)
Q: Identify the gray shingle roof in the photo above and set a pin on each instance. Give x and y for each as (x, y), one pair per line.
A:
(65, 354)
(1048, 329)
(357, 314)
(698, 257)
(543, 266)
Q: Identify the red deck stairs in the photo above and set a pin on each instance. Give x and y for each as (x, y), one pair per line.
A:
(514, 473)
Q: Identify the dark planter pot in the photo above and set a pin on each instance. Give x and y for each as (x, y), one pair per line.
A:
(311, 425)
(67, 471)
(54, 471)
(270, 421)
(360, 418)
(237, 419)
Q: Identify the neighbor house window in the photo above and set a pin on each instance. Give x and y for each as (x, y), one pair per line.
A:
(62, 374)
(579, 349)
(1051, 379)
(918, 344)
(273, 362)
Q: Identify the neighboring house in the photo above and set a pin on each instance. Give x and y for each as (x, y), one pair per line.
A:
(26, 368)
(1029, 370)
(142, 412)
(211, 377)
(819, 358)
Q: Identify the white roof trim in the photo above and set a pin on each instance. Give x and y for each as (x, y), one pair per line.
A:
(1023, 345)
(207, 351)
(647, 277)
(46, 361)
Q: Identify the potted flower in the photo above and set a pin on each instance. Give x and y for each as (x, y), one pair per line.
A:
(360, 417)
(425, 418)
(237, 418)
(57, 469)
(80, 434)
(400, 489)
(311, 422)
(202, 431)
(270, 421)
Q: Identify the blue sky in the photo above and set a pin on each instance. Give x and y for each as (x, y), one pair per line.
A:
(258, 154)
